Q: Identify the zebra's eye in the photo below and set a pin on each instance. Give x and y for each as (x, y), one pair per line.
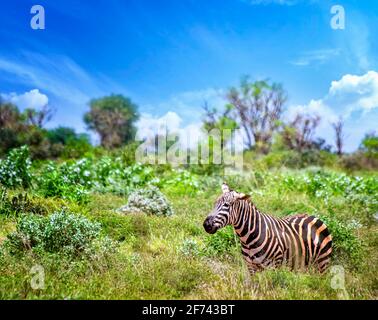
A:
(226, 205)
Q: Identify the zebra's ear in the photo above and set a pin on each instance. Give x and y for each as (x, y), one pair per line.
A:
(243, 196)
(225, 188)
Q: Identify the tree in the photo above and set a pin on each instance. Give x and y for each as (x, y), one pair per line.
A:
(258, 107)
(298, 134)
(61, 135)
(113, 118)
(213, 119)
(369, 145)
(66, 143)
(39, 118)
(11, 125)
(339, 135)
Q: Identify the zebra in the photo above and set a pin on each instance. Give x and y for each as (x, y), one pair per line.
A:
(297, 241)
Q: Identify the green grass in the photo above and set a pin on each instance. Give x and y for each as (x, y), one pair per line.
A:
(173, 258)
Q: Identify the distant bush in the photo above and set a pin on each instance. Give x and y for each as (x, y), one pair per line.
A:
(61, 232)
(67, 181)
(128, 153)
(149, 200)
(182, 182)
(325, 184)
(359, 161)
(111, 175)
(15, 169)
(19, 204)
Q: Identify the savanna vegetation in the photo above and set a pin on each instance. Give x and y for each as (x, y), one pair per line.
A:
(103, 226)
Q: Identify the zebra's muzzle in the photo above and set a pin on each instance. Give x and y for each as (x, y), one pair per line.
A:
(209, 225)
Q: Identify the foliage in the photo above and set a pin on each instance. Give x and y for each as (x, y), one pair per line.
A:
(345, 242)
(370, 144)
(323, 184)
(298, 134)
(182, 182)
(222, 242)
(68, 181)
(61, 232)
(190, 248)
(66, 143)
(358, 161)
(113, 119)
(19, 204)
(149, 200)
(18, 129)
(15, 169)
(10, 125)
(258, 108)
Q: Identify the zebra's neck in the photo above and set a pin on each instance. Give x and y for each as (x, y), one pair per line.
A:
(247, 221)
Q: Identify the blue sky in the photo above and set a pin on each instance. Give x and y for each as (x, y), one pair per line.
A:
(170, 56)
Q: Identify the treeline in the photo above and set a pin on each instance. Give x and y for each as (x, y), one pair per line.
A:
(256, 107)
(112, 118)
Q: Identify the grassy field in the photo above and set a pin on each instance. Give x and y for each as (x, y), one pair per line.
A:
(171, 257)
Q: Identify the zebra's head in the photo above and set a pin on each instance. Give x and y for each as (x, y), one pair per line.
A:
(224, 210)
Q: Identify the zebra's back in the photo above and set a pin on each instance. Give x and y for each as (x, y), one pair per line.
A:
(313, 241)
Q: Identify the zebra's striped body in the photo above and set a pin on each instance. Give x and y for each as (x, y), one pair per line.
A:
(296, 241)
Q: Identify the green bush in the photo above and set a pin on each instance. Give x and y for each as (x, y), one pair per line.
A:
(189, 248)
(69, 182)
(182, 182)
(112, 176)
(222, 242)
(15, 169)
(61, 232)
(345, 243)
(19, 204)
(150, 201)
(326, 184)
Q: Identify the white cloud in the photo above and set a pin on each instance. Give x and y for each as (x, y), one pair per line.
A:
(149, 126)
(314, 107)
(186, 119)
(315, 57)
(356, 92)
(31, 99)
(352, 97)
(68, 86)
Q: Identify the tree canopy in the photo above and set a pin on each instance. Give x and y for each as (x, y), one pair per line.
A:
(113, 118)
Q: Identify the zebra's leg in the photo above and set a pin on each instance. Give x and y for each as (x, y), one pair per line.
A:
(252, 268)
(324, 264)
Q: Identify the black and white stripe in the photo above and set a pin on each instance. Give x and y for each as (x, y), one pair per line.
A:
(297, 241)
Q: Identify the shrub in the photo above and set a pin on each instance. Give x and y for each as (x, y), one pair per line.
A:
(15, 169)
(112, 176)
(69, 182)
(150, 201)
(222, 242)
(182, 182)
(61, 232)
(359, 161)
(345, 243)
(325, 184)
(19, 204)
(189, 248)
